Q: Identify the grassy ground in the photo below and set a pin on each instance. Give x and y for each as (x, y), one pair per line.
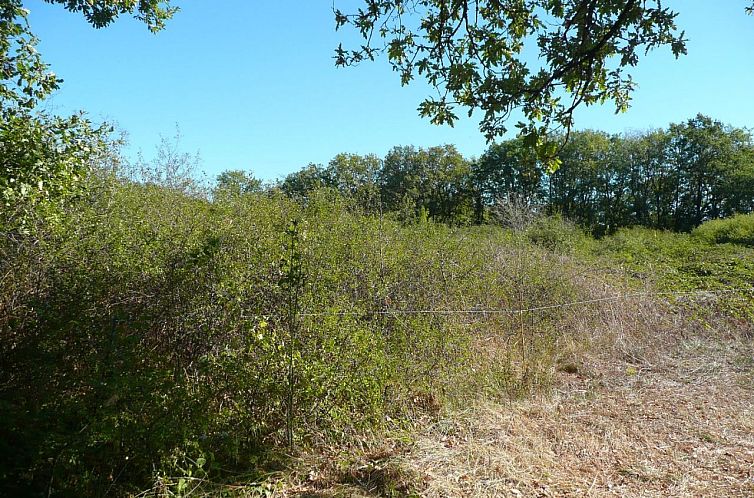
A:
(680, 423)
(683, 426)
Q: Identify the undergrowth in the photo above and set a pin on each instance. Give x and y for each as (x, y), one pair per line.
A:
(714, 282)
(738, 229)
(152, 339)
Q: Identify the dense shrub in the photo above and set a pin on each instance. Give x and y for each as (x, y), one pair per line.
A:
(738, 229)
(151, 334)
(557, 234)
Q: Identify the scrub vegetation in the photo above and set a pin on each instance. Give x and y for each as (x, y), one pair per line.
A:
(157, 334)
(570, 313)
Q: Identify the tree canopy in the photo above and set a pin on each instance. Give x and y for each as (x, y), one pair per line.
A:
(672, 179)
(544, 58)
(43, 158)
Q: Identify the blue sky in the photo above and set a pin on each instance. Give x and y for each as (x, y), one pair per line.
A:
(252, 83)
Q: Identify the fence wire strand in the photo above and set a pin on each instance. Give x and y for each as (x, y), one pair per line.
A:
(476, 311)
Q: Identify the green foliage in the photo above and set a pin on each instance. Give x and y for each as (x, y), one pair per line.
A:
(679, 262)
(738, 229)
(149, 338)
(43, 159)
(43, 162)
(352, 176)
(558, 235)
(711, 158)
(25, 78)
(505, 169)
(668, 179)
(101, 13)
(151, 334)
(356, 178)
(472, 52)
(301, 184)
(434, 180)
(154, 337)
(236, 182)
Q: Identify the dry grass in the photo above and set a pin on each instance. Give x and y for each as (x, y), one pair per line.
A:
(682, 428)
(681, 424)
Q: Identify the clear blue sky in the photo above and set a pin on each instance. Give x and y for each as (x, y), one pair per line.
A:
(252, 83)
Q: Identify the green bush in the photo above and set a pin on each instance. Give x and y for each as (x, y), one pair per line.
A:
(151, 335)
(646, 246)
(558, 234)
(738, 229)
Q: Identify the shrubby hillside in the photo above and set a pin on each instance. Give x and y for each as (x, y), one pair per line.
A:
(152, 334)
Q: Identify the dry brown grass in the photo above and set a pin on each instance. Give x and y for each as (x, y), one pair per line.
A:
(674, 424)
(684, 427)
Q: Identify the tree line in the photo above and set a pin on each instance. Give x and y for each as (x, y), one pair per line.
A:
(673, 178)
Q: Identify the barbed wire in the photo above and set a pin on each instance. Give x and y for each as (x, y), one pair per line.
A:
(477, 311)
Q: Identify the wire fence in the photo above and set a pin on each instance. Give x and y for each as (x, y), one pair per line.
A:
(476, 311)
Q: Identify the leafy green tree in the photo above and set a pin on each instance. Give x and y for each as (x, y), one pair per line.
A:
(649, 191)
(237, 182)
(739, 185)
(669, 179)
(42, 158)
(705, 152)
(302, 183)
(507, 168)
(434, 180)
(355, 177)
(473, 52)
(575, 189)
